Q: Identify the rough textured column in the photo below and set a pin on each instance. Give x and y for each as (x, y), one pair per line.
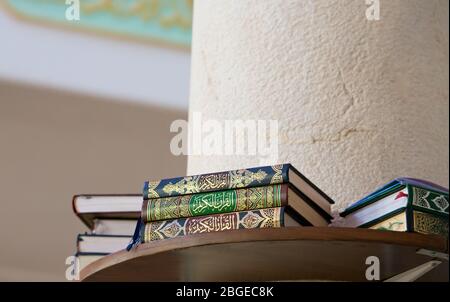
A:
(358, 102)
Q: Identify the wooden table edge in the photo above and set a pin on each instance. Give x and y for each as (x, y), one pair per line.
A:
(429, 242)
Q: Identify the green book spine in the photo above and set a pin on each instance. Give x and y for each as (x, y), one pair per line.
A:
(214, 203)
(429, 201)
(264, 218)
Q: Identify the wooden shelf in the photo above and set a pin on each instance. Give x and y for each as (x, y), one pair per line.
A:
(298, 253)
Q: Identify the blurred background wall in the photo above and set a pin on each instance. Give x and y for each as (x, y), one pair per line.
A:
(79, 113)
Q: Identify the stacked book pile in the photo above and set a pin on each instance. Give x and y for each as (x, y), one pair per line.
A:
(263, 197)
(111, 219)
(404, 205)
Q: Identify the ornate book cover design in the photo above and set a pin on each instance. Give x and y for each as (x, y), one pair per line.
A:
(236, 179)
(430, 224)
(264, 218)
(430, 201)
(424, 223)
(217, 202)
(422, 195)
(396, 223)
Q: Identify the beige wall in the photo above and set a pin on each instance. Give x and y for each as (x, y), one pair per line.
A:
(358, 102)
(54, 145)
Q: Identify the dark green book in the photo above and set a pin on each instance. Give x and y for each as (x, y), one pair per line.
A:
(227, 201)
(404, 204)
(263, 218)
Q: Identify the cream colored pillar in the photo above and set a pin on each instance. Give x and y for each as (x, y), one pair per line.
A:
(358, 102)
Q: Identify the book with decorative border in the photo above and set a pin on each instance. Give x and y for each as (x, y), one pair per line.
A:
(263, 218)
(226, 201)
(425, 207)
(403, 221)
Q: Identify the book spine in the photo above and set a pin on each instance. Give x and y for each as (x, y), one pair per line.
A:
(426, 223)
(409, 210)
(429, 201)
(218, 202)
(236, 179)
(264, 218)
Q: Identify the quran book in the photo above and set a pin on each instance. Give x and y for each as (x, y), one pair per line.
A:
(264, 218)
(402, 194)
(106, 206)
(227, 201)
(101, 244)
(238, 179)
(415, 221)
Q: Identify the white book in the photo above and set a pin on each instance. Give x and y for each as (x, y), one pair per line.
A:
(101, 244)
(388, 204)
(121, 227)
(107, 206)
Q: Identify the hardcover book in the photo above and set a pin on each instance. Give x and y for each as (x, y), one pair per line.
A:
(90, 207)
(117, 227)
(264, 218)
(416, 199)
(101, 244)
(84, 259)
(419, 222)
(227, 201)
(238, 179)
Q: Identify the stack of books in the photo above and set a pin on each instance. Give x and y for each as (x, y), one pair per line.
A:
(262, 197)
(111, 219)
(404, 205)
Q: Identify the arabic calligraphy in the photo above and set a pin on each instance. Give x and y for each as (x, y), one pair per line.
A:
(217, 202)
(213, 203)
(264, 218)
(213, 181)
(426, 223)
(211, 224)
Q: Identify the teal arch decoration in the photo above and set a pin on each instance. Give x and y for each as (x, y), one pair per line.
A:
(165, 21)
